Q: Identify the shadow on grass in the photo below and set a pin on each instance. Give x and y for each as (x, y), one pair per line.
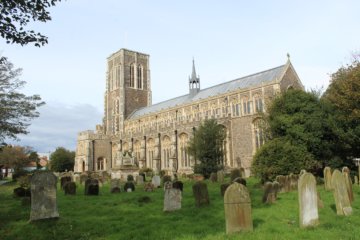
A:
(257, 222)
(333, 207)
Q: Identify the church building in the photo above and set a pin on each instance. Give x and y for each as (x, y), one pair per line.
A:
(137, 134)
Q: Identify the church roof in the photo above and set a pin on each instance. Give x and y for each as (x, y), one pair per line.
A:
(239, 83)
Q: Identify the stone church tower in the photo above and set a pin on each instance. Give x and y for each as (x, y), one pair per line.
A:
(127, 88)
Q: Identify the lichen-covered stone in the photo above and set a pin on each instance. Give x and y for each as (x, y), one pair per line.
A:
(308, 201)
(343, 206)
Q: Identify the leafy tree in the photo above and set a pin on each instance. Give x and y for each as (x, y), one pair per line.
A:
(206, 146)
(16, 109)
(15, 157)
(62, 160)
(15, 16)
(301, 132)
(343, 94)
(34, 157)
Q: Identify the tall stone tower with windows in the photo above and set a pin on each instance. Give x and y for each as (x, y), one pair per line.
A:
(127, 88)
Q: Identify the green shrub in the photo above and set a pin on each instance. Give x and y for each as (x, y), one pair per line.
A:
(280, 157)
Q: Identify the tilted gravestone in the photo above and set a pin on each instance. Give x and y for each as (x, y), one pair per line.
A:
(343, 206)
(237, 205)
(91, 187)
(156, 181)
(201, 194)
(115, 185)
(308, 201)
(43, 196)
(347, 177)
(172, 198)
(269, 195)
(70, 188)
(327, 178)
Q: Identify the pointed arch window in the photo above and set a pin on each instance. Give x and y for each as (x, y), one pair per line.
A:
(132, 76)
(139, 77)
(259, 133)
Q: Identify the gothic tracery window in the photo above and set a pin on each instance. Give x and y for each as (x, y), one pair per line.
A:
(139, 77)
(259, 133)
(132, 76)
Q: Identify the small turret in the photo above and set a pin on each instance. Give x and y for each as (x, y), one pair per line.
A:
(194, 82)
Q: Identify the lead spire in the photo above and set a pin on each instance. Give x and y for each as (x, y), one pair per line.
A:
(194, 81)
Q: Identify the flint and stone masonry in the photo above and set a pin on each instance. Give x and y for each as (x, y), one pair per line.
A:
(156, 135)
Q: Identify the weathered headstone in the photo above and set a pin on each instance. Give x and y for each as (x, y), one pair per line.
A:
(235, 173)
(139, 180)
(213, 177)
(356, 180)
(70, 188)
(149, 187)
(347, 177)
(343, 206)
(281, 180)
(178, 185)
(220, 176)
(293, 181)
(115, 185)
(129, 187)
(287, 185)
(156, 181)
(201, 194)
(240, 180)
(327, 178)
(223, 188)
(237, 205)
(172, 198)
(64, 180)
(276, 187)
(302, 171)
(308, 201)
(91, 187)
(269, 195)
(43, 196)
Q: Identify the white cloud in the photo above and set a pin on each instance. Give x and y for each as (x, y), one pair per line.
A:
(58, 126)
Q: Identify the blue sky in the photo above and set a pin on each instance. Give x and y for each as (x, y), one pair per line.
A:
(228, 39)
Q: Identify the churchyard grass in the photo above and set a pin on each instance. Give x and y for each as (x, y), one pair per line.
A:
(122, 216)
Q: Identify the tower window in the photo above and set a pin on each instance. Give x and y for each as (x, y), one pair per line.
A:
(132, 75)
(139, 77)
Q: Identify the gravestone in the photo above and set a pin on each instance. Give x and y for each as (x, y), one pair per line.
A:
(129, 187)
(327, 178)
(356, 180)
(156, 181)
(70, 188)
(235, 173)
(43, 196)
(276, 187)
(293, 181)
(91, 187)
(281, 180)
(269, 195)
(213, 177)
(178, 185)
(64, 180)
(115, 185)
(287, 184)
(220, 176)
(237, 205)
(347, 177)
(223, 188)
(308, 201)
(172, 198)
(341, 196)
(240, 180)
(201, 194)
(149, 187)
(139, 180)
(302, 171)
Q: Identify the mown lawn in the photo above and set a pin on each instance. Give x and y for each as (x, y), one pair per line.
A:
(121, 216)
